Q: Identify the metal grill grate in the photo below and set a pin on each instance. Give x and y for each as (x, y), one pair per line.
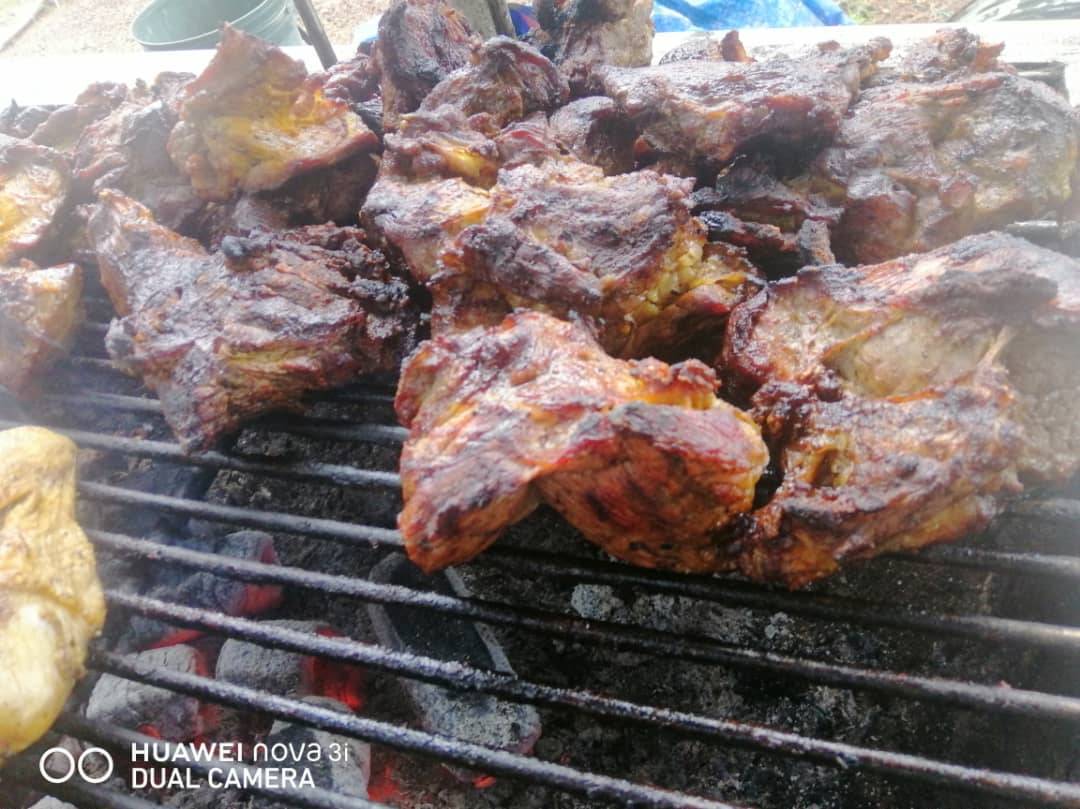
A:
(97, 381)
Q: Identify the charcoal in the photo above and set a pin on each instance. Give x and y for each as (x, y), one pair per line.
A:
(179, 585)
(478, 718)
(172, 716)
(289, 673)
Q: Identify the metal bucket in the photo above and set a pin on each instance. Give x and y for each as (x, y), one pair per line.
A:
(170, 25)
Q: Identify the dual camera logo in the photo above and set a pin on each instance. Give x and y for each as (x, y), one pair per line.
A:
(74, 765)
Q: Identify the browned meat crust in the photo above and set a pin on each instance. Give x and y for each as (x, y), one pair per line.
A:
(701, 114)
(126, 149)
(594, 131)
(254, 119)
(582, 35)
(640, 456)
(35, 182)
(60, 128)
(728, 48)
(39, 312)
(862, 477)
(916, 166)
(420, 43)
(946, 55)
(506, 80)
(223, 337)
(902, 400)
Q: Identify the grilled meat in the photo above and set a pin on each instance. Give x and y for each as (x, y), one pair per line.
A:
(126, 149)
(35, 183)
(946, 55)
(39, 312)
(506, 80)
(640, 456)
(701, 114)
(916, 166)
(490, 219)
(332, 194)
(865, 476)
(51, 604)
(622, 254)
(60, 128)
(904, 402)
(582, 35)
(704, 47)
(223, 337)
(594, 131)
(420, 43)
(255, 119)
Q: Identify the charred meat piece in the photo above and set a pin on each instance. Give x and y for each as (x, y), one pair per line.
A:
(222, 337)
(929, 321)
(702, 114)
(782, 224)
(582, 35)
(775, 252)
(39, 311)
(622, 254)
(332, 194)
(127, 150)
(916, 166)
(35, 182)
(506, 80)
(52, 601)
(640, 456)
(594, 131)
(254, 119)
(420, 43)
(59, 128)
(863, 476)
(705, 47)
(947, 55)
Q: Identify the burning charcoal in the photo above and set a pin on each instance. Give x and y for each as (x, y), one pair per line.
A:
(344, 764)
(478, 718)
(288, 673)
(154, 711)
(203, 589)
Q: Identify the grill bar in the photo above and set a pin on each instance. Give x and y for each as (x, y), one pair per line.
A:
(466, 754)
(120, 739)
(963, 694)
(75, 791)
(311, 471)
(983, 627)
(388, 435)
(463, 677)
(385, 434)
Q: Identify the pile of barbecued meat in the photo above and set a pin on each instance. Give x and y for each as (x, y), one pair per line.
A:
(722, 313)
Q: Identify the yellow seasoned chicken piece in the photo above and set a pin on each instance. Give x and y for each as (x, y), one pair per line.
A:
(51, 603)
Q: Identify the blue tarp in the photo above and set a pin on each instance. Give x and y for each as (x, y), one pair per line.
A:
(697, 15)
(717, 15)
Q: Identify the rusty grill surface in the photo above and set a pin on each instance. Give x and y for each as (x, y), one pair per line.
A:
(88, 390)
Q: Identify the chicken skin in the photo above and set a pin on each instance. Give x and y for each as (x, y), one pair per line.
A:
(51, 603)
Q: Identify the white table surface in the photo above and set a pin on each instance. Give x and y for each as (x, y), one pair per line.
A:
(58, 79)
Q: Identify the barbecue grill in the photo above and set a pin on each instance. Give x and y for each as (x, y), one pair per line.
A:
(112, 416)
